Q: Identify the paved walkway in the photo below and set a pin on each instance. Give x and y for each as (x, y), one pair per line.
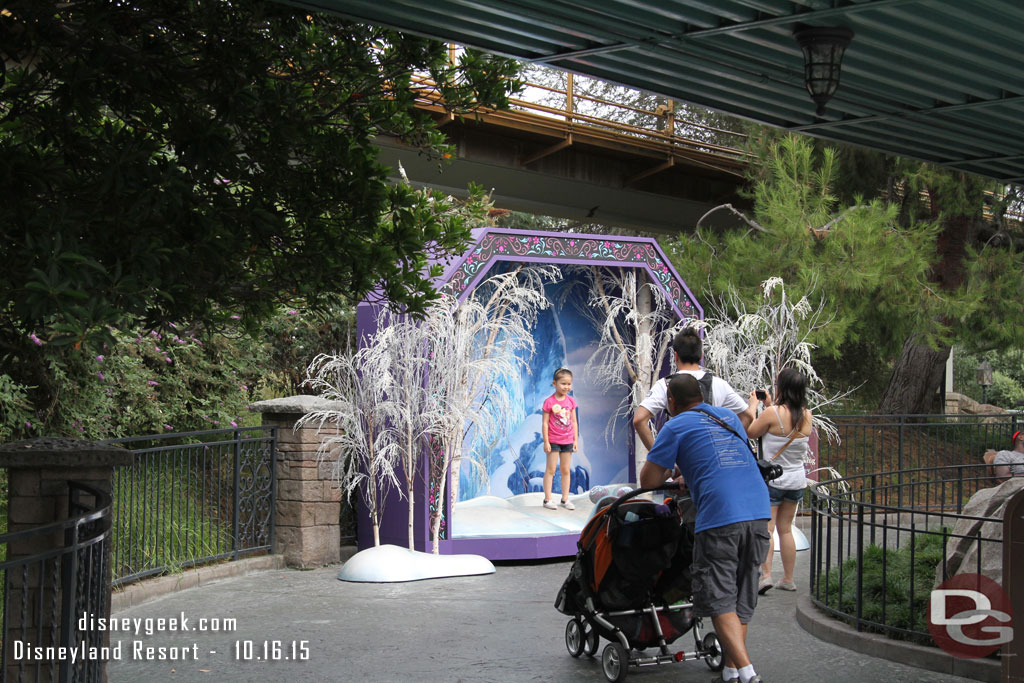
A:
(500, 627)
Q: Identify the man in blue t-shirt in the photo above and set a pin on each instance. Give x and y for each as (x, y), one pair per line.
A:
(709, 447)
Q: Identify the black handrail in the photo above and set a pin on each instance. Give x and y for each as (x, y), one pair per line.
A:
(853, 514)
(75, 574)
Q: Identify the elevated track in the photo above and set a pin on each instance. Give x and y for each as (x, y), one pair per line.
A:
(561, 162)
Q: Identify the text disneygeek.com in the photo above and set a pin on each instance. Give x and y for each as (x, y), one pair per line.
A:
(141, 650)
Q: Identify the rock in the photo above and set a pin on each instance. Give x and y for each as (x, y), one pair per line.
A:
(961, 404)
(962, 553)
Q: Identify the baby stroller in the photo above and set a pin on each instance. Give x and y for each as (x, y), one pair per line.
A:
(630, 584)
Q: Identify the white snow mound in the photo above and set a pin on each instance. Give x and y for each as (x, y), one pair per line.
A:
(393, 564)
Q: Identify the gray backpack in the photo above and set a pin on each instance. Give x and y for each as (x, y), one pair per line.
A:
(705, 386)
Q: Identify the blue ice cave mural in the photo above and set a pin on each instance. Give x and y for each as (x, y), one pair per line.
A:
(515, 463)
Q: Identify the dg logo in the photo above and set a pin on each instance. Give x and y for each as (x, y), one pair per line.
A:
(969, 616)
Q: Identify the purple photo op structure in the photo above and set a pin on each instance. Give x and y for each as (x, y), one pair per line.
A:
(561, 339)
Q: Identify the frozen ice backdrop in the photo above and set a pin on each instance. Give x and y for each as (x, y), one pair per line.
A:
(515, 464)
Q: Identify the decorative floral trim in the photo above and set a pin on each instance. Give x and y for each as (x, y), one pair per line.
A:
(598, 250)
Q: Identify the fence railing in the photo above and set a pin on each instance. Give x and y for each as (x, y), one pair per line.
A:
(880, 542)
(660, 129)
(192, 498)
(883, 443)
(52, 574)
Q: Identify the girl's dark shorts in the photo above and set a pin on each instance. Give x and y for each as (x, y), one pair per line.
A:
(726, 567)
(563, 447)
(776, 496)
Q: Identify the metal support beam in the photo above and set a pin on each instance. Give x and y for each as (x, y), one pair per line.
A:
(664, 166)
(547, 151)
(906, 114)
(983, 160)
(655, 40)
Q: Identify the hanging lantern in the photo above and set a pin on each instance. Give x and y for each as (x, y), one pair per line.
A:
(823, 49)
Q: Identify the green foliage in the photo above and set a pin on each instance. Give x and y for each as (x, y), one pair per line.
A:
(149, 383)
(887, 579)
(871, 273)
(153, 382)
(1007, 389)
(163, 521)
(189, 161)
(15, 409)
(996, 280)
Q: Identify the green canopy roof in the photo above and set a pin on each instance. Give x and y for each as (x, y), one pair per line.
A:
(938, 80)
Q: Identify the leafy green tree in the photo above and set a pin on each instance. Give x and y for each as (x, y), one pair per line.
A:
(187, 161)
(869, 271)
(901, 273)
(209, 165)
(977, 264)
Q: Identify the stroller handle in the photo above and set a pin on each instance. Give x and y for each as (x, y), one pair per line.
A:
(667, 486)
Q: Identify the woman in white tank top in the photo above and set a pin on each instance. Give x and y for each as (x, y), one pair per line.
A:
(785, 425)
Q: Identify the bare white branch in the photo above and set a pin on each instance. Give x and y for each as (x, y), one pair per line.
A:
(749, 348)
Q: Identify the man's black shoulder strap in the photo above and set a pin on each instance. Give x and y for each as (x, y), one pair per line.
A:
(705, 386)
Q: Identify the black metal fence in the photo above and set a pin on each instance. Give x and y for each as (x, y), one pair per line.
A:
(881, 542)
(52, 575)
(192, 498)
(882, 443)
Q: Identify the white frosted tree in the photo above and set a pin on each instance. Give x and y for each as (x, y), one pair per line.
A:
(472, 345)
(361, 446)
(748, 348)
(636, 325)
(403, 341)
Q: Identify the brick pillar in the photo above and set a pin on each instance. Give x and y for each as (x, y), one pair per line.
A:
(38, 474)
(307, 528)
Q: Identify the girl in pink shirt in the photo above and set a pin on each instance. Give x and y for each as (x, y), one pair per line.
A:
(561, 436)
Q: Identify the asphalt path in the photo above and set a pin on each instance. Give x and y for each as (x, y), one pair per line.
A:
(297, 626)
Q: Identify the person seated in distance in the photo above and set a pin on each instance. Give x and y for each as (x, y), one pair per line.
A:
(1008, 463)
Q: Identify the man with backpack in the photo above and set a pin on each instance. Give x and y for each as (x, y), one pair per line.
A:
(709, 447)
(687, 348)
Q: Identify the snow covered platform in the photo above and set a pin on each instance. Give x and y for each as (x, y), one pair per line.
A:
(519, 527)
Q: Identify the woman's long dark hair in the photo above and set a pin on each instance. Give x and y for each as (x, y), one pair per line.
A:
(792, 386)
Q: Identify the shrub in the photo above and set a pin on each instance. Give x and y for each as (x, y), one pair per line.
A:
(147, 382)
(894, 593)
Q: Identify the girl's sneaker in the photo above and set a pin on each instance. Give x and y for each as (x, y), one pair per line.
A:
(550, 505)
(567, 504)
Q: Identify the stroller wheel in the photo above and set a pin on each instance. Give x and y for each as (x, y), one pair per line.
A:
(590, 640)
(615, 662)
(574, 638)
(712, 649)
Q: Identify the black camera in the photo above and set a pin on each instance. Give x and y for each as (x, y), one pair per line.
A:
(761, 394)
(769, 470)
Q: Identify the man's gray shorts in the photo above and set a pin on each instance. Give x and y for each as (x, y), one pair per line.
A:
(726, 568)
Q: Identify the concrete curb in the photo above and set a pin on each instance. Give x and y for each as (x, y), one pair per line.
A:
(137, 593)
(824, 627)
(148, 589)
